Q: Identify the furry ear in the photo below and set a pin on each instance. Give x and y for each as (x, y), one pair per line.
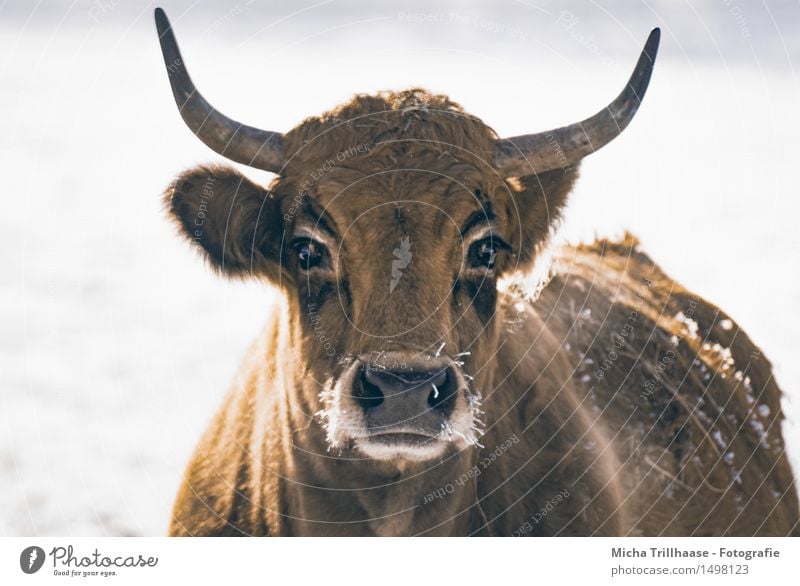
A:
(540, 200)
(236, 223)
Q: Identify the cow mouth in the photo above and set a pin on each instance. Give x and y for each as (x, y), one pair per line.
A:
(406, 445)
(410, 438)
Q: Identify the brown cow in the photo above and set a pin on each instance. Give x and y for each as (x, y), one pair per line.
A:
(402, 388)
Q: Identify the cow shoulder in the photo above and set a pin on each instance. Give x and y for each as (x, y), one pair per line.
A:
(223, 490)
(694, 396)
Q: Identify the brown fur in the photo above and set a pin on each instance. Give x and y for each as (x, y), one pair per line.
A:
(605, 413)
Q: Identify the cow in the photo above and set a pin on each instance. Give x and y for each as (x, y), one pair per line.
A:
(410, 381)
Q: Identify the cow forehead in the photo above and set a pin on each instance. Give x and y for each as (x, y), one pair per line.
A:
(399, 202)
(394, 197)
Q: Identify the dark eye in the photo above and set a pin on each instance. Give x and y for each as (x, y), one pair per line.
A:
(483, 253)
(310, 254)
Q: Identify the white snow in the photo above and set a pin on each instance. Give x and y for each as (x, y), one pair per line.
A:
(688, 323)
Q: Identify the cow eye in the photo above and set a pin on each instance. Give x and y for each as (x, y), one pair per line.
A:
(483, 253)
(310, 253)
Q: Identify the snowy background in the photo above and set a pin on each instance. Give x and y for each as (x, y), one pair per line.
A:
(116, 343)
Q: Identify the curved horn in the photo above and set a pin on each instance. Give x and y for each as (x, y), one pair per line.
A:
(535, 153)
(236, 141)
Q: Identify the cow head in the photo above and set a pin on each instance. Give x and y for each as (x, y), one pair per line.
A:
(389, 224)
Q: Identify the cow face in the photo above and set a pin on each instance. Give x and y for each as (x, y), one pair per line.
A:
(390, 233)
(389, 225)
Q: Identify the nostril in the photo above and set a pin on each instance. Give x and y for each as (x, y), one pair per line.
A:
(442, 395)
(440, 378)
(412, 392)
(366, 393)
(372, 375)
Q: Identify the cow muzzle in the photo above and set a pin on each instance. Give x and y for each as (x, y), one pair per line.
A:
(396, 406)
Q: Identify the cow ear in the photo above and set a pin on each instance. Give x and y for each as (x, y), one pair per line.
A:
(539, 203)
(236, 223)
